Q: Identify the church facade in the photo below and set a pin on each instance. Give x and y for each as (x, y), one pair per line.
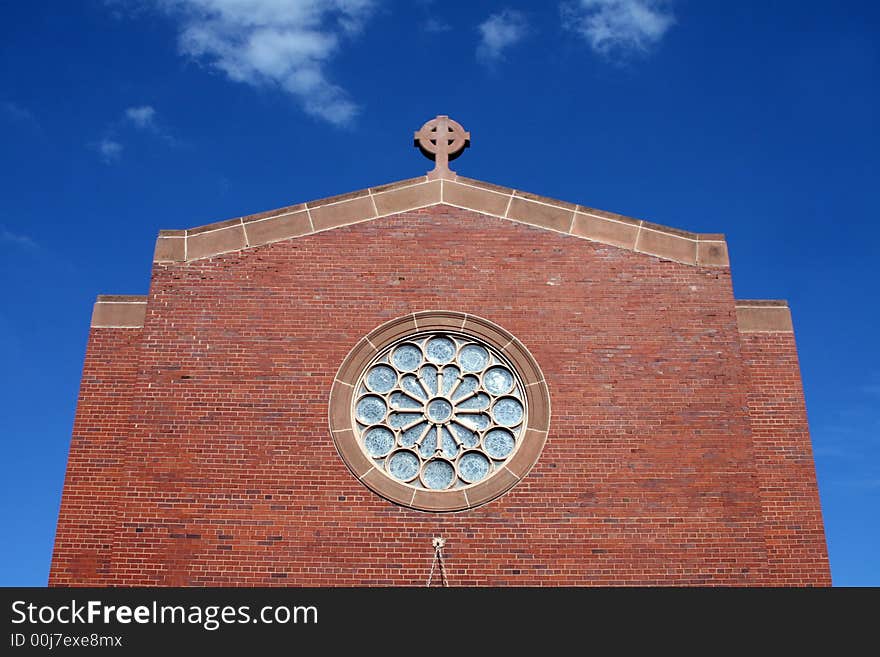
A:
(310, 396)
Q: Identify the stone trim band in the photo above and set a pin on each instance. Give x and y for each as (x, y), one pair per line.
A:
(705, 250)
(119, 311)
(763, 316)
(752, 315)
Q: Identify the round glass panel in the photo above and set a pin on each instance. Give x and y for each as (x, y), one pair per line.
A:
(371, 409)
(498, 443)
(381, 379)
(498, 380)
(438, 474)
(407, 357)
(474, 358)
(439, 411)
(473, 467)
(508, 412)
(403, 465)
(379, 441)
(440, 350)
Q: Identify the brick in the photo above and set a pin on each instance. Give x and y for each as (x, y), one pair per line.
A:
(678, 450)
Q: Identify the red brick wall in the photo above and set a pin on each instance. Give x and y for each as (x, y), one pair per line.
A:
(794, 530)
(649, 474)
(87, 520)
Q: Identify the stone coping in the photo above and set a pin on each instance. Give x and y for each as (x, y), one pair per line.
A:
(119, 311)
(763, 316)
(699, 249)
(752, 315)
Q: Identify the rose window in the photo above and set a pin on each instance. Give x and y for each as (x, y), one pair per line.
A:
(439, 411)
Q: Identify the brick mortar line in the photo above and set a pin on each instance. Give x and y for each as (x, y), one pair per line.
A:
(766, 330)
(274, 216)
(509, 201)
(247, 242)
(216, 230)
(388, 191)
(681, 237)
(770, 307)
(544, 203)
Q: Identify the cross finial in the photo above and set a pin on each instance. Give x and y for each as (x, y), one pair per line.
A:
(441, 140)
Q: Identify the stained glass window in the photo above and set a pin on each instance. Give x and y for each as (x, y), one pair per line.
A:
(439, 411)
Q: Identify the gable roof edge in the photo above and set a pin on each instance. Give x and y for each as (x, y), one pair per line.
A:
(699, 249)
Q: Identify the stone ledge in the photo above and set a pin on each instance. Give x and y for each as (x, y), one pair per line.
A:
(763, 316)
(704, 250)
(119, 311)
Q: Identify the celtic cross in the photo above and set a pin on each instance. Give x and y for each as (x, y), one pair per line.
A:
(442, 139)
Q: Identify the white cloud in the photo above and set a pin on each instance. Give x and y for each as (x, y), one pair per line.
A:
(137, 117)
(436, 26)
(16, 112)
(16, 239)
(498, 33)
(281, 43)
(432, 22)
(109, 149)
(143, 117)
(619, 28)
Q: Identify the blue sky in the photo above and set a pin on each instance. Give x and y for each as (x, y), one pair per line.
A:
(752, 118)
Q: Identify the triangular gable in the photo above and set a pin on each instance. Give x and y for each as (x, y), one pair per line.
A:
(705, 250)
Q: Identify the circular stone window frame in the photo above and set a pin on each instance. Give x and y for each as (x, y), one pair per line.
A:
(534, 386)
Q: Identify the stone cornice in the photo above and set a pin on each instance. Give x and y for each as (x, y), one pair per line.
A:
(119, 311)
(763, 316)
(705, 250)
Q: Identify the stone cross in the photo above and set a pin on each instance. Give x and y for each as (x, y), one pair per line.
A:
(441, 140)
